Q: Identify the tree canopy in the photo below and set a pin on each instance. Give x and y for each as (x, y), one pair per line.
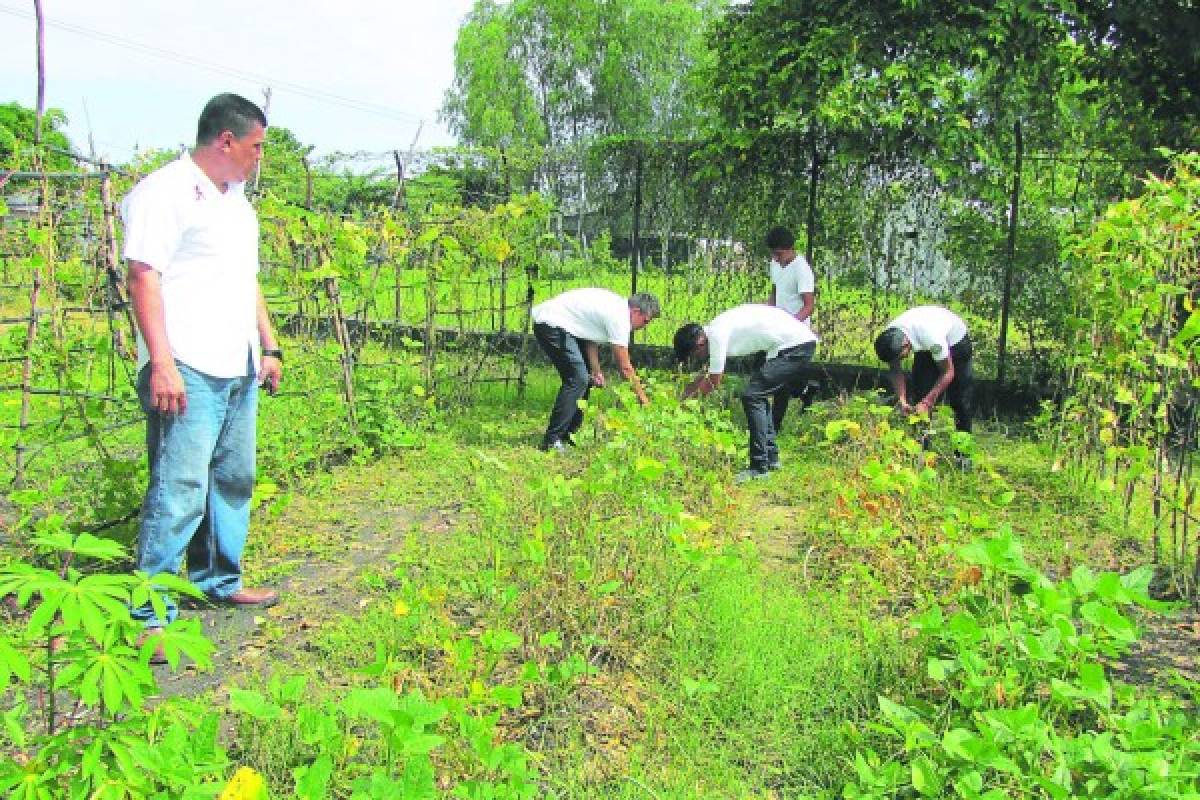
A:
(17, 125)
(564, 72)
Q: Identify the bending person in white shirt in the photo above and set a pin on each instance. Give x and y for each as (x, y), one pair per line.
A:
(941, 365)
(568, 328)
(788, 343)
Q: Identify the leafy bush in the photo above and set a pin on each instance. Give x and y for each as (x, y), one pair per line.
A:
(77, 678)
(1019, 702)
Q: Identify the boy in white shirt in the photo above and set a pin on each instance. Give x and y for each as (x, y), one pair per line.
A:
(788, 343)
(941, 365)
(792, 289)
(568, 328)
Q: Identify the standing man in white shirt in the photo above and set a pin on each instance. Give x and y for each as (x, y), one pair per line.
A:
(569, 328)
(205, 344)
(792, 289)
(941, 365)
(741, 331)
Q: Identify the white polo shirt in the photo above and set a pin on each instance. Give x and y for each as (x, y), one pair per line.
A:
(203, 243)
(595, 315)
(791, 282)
(931, 328)
(753, 328)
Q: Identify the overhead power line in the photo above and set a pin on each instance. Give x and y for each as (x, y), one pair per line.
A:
(182, 58)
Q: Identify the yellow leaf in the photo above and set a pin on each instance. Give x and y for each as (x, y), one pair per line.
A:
(246, 784)
(436, 595)
(401, 609)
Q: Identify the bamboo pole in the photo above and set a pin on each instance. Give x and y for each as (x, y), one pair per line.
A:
(41, 70)
(523, 356)
(112, 264)
(1010, 266)
(814, 173)
(347, 354)
(27, 381)
(431, 270)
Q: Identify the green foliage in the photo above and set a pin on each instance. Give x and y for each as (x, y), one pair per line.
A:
(1144, 54)
(547, 72)
(375, 744)
(17, 132)
(79, 657)
(1018, 700)
(1135, 334)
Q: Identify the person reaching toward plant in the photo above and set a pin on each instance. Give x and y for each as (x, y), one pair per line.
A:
(205, 344)
(792, 289)
(744, 330)
(941, 345)
(569, 328)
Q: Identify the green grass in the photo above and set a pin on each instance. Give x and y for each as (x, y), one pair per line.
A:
(737, 678)
(738, 637)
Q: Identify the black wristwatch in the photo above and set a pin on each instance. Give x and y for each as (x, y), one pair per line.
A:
(273, 354)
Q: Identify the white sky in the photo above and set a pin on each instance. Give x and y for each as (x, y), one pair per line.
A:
(137, 72)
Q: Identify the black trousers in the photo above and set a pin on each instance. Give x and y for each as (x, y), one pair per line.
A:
(773, 377)
(959, 394)
(800, 389)
(564, 351)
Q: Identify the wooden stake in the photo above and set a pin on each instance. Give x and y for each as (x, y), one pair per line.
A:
(347, 356)
(27, 381)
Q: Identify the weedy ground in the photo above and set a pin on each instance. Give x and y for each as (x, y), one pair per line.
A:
(687, 638)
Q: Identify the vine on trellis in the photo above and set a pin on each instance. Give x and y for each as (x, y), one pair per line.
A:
(1129, 421)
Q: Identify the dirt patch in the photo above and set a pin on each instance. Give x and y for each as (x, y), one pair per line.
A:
(329, 543)
(1169, 646)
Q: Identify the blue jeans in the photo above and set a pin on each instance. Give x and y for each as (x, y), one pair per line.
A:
(201, 478)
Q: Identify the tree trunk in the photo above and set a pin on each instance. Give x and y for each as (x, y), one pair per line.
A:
(1010, 266)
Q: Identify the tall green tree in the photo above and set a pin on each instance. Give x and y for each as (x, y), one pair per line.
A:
(16, 138)
(550, 81)
(1147, 53)
(492, 102)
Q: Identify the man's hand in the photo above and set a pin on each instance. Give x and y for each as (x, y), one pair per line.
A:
(701, 386)
(167, 392)
(272, 374)
(598, 379)
(923, 407)
(904, 407)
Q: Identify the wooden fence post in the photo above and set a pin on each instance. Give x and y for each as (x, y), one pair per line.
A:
(27, 381)
(112, 265)
(347, 355)
(431, 270)
(1010, 266)
(523, 356)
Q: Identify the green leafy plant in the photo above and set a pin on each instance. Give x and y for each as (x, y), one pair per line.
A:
(1019, 700)
(78, 678)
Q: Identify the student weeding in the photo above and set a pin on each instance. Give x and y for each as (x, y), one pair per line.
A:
(741, 331)
(941, 365)
(568, 328)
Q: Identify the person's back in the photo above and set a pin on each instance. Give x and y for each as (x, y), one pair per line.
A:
(595, 315)
(568, 329)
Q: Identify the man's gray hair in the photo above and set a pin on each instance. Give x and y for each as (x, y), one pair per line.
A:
(646, 303)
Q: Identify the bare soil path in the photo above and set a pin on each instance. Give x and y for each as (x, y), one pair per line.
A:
(316, 550)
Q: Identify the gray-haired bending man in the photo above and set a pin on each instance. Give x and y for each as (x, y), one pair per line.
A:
(569, 328)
